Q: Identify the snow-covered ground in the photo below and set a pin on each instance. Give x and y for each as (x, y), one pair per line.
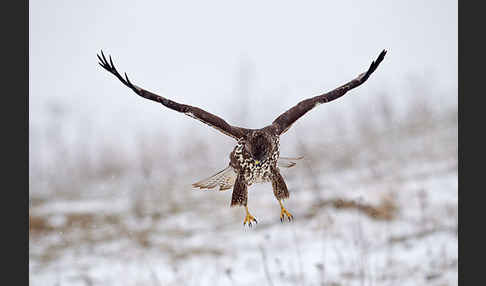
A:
(371, 208)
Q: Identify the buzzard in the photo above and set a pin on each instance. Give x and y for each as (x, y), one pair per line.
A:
(256, 157)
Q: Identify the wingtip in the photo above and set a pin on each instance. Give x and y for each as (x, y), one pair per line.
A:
(128, 81)
(380, 58)
(382, 55)
(374, 65)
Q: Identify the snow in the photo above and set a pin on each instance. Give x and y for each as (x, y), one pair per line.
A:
(180, 236)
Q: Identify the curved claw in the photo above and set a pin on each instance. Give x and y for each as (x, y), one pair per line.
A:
(249, 219)
(284, 213)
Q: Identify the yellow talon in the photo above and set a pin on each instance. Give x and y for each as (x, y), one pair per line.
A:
(284, 212)
(249, 218)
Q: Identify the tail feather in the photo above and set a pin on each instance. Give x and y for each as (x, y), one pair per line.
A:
(225, 179)
(287, 162)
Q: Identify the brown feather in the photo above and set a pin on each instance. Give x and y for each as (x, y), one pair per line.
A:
(240, 192)
(255, 159)
(194, 112)
(286, 119)
(278, 184)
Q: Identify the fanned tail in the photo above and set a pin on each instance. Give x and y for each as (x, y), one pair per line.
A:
(225, 179)
(287, 162)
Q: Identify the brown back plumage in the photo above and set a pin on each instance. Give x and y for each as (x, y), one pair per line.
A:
(255, 158)
(259, 144)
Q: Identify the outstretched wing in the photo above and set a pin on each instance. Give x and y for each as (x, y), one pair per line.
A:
(194, 112)
(286, 119)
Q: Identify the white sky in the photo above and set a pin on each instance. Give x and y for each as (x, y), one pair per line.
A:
(197, 52)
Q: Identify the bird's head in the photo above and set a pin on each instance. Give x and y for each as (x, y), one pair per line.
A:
(260, 146)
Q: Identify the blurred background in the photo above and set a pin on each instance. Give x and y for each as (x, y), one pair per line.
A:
(110, 173)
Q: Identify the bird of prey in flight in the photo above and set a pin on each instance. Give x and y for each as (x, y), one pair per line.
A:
(256, 156)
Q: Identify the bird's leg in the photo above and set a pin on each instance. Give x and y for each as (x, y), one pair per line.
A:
(284, 212)
(249, 218)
